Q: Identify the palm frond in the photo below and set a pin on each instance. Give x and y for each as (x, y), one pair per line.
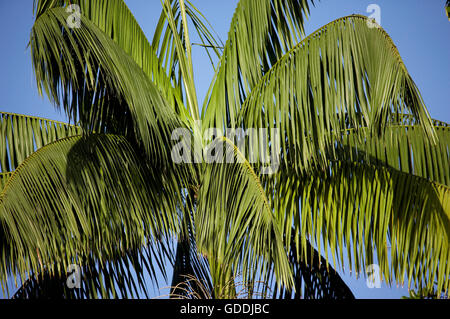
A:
(345, 75)
(81, 197)
(239, 234)
(116, 20)
(171, 41)
(21, 135)
(314, 277)
(87, 73)
(366, 208)
(261, 32)
(404, 147)
(122, 277)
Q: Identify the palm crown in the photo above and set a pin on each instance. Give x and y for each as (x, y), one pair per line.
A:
(361, 167)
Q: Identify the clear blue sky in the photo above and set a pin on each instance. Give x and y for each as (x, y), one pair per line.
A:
(419, 28)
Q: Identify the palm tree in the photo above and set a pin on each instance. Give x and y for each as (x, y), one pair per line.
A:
(362, 175)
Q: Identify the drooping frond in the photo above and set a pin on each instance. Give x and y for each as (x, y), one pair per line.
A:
(261, 32)
(123, 277)
(410, 168)
(94, 79)
(81, 197)
(404, 146)
(314, 278)
(369, 209)
(345, 75)
(21, 135)
(238, 231)
(116, 21)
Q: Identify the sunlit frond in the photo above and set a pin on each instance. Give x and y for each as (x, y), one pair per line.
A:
(345, 75)
(116, 20)
(238, 231)
(404, 147)
(367, 209)
(261, 32)
(172, 42)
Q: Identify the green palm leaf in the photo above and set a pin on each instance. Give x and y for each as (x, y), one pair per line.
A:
(238, 231)
(172, 42)
(404, 147)
(22, 135)
(373, 179)
(122, 277)
(275, 27)
(108, 89)
(81, 197)
(365, 208)
(314, 277)
(117, 22)
(345, 75)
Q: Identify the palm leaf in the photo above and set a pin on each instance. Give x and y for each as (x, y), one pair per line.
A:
(275, 27)
(116, 20)
(123, 277)
(81, 197)
(21, 135)
(404, 147)
(364, 208)
(172, 42)
(239, 234)
(94, 79)
(345, 75)
(314, 278)
(408, 166)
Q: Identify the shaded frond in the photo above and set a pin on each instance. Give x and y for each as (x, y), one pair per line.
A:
(81, 197)
(404, 147)
(116, 20)
(314, 278)
(122, 277)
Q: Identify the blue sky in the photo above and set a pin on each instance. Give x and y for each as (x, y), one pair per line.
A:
(419, 28)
